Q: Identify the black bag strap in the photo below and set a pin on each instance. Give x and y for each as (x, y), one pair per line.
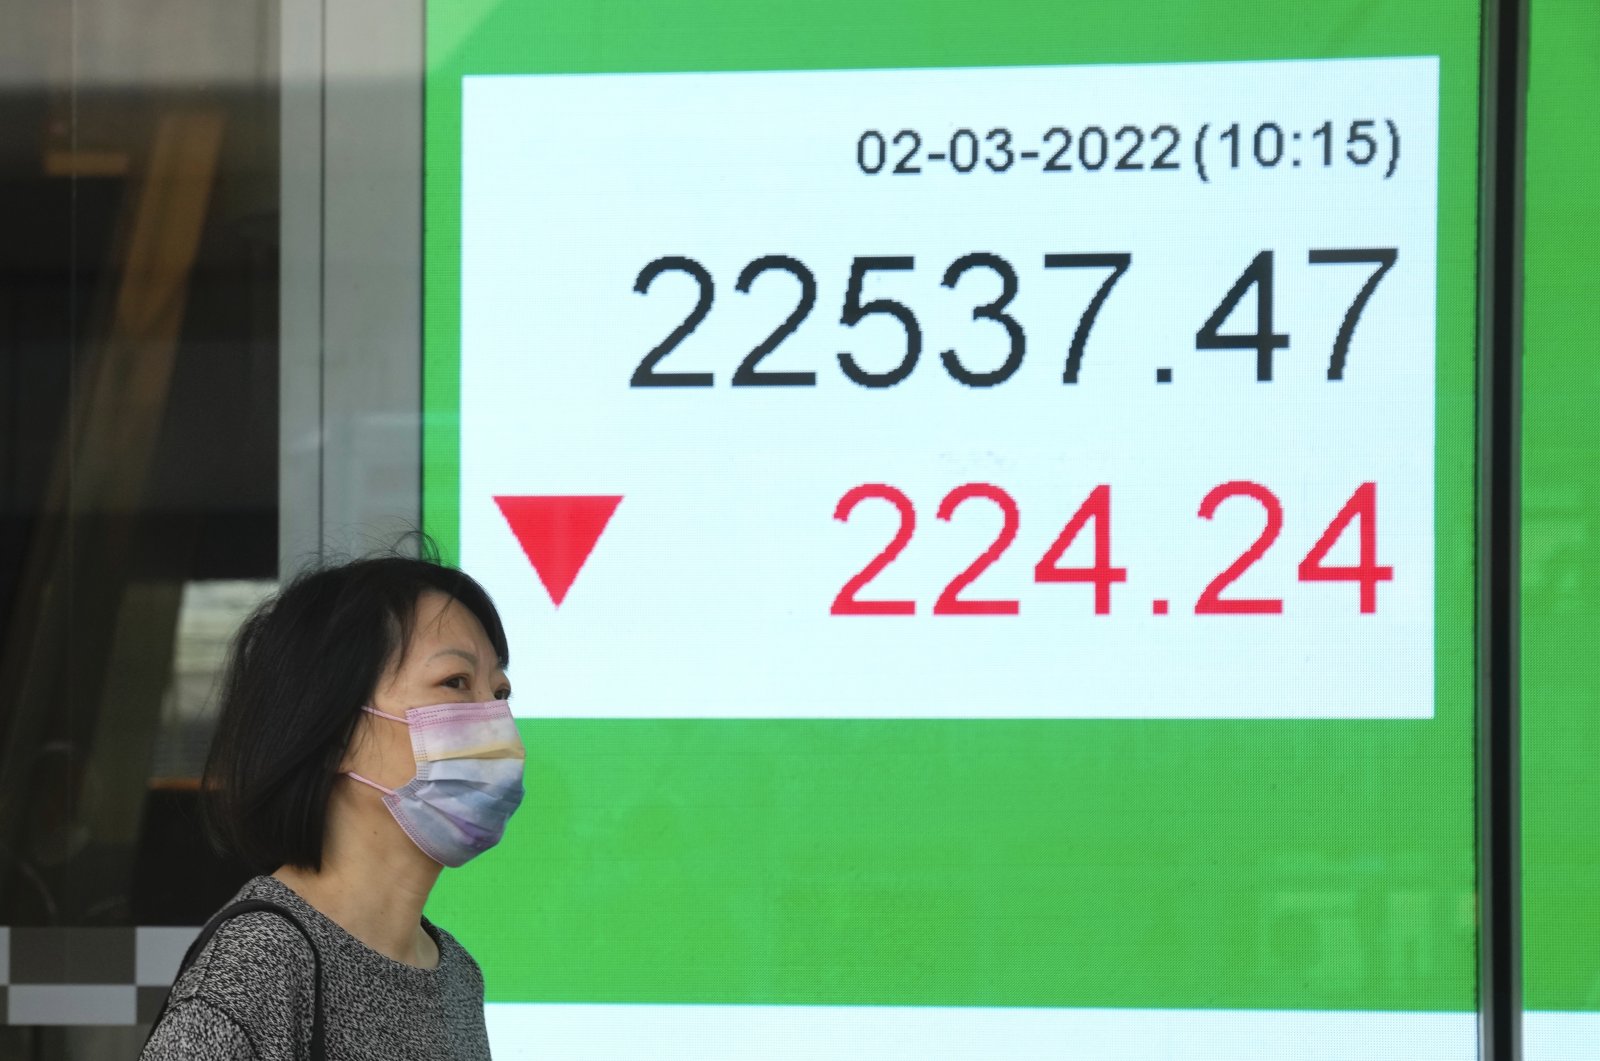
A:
(246, 906)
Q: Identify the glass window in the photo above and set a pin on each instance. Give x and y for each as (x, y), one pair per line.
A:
(139, 161)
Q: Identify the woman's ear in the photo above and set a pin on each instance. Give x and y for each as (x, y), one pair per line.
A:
(380, 749)
(358, 752)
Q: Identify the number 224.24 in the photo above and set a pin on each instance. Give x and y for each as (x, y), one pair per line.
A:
(1360, 510)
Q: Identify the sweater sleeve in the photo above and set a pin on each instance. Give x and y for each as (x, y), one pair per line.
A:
(194, 1028)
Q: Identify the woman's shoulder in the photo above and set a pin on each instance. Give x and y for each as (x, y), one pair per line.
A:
(254, 963)
(233, 999)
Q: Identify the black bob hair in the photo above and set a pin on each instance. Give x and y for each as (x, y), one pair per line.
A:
(300, 670)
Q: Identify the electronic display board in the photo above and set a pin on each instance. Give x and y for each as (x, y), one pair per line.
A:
(982, 501)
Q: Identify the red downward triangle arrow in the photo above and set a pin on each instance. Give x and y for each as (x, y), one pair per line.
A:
(558, 534)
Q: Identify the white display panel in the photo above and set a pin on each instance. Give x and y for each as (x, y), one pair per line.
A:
(713, 587)
(971, 1033)
(1559, 1036)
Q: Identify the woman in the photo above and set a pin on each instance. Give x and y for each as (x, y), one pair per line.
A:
(364, 744)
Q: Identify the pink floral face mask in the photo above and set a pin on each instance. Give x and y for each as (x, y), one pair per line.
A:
(469, 778)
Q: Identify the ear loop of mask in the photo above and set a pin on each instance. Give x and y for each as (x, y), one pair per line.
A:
(352, 774)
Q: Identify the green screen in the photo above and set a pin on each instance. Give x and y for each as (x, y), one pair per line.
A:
(1274, 864)
(1560, 510)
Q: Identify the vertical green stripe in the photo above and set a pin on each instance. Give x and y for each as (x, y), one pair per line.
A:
(1561, 513)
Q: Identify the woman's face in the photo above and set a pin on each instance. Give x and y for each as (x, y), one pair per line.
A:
(449, 660)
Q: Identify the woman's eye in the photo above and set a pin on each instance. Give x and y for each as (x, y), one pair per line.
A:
(457, 682)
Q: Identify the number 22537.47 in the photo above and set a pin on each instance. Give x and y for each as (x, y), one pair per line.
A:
(1264, 341)
(1094, 515)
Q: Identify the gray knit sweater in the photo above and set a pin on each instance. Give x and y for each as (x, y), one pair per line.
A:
(248, 994)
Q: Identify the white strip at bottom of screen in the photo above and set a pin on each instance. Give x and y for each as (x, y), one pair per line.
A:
(898, 1033)
(1560, 1036)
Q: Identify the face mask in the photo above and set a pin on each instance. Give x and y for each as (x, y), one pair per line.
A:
(469, 778)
